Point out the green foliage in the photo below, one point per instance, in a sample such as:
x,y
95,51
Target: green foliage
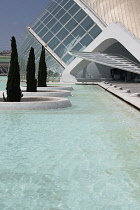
x,y
30,76
50,73
42,73
13,83
53,76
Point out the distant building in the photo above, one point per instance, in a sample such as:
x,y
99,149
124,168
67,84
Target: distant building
x,y
5,53
86,39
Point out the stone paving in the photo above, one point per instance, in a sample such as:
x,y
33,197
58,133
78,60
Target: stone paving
x,y
134,87
129,92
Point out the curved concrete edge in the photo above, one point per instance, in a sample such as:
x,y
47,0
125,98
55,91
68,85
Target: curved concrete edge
x,y
53,93
36,103
85,83
114,32
58,88
49,88
125,96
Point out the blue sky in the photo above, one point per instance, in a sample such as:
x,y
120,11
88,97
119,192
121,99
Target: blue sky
x,y
15,16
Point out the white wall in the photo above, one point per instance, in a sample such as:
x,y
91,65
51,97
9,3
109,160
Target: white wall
x,y
115,32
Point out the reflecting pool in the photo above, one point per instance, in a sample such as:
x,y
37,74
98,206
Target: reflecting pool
x,y
86,157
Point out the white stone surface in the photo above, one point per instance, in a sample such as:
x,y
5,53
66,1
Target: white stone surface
x,y
36,103
49,93
113,33
135,95
119,88
126,91
85,83
50,87
126,96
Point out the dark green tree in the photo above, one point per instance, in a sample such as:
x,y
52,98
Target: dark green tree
x,y
42,72
13,83
30,76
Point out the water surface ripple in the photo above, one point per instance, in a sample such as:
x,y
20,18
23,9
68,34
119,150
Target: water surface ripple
x,y
81,158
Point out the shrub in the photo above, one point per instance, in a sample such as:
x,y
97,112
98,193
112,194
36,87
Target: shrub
x,y
42,73
13,83
30,76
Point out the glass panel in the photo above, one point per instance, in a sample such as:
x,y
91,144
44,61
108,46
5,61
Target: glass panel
x,y
71,25
77,47
56,28
78,32
95,31
42,32
46,15
68,59
74,9
51,23
53,7
69,41
86,40
64,19
36,25
39,28
58,1
62,34
53,43
60,14
47,19
87,23
63,2
42,14
68,5
80,15
56,10
47,37
60,51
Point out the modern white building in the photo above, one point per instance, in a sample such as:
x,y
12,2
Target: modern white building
x,y
84,40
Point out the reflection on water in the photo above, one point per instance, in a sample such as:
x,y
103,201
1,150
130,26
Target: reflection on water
x,y
85,157
3,80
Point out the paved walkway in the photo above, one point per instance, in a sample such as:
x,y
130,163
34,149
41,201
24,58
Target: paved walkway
x,y
129,92
134,87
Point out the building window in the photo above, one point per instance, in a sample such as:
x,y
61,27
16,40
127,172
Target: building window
x,y
87,23
95,31
71,25
53,43
80,15
61,50
63,33
47,37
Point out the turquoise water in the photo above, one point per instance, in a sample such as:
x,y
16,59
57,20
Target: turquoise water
x,y
86,157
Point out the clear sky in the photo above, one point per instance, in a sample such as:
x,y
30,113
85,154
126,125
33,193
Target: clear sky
x,y
15,16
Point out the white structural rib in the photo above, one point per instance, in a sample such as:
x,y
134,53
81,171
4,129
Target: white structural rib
x,y
112,60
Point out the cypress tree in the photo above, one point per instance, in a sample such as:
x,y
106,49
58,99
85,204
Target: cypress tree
x,y
30,76
42,73
13,83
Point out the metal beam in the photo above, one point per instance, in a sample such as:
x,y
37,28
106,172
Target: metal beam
x,y
112,60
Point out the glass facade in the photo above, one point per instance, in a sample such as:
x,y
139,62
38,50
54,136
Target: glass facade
x,y
63,26
24,47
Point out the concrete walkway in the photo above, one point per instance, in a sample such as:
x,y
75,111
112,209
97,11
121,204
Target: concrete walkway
x,y
129,92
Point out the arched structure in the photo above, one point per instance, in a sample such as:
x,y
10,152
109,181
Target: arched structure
x,y
85,26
